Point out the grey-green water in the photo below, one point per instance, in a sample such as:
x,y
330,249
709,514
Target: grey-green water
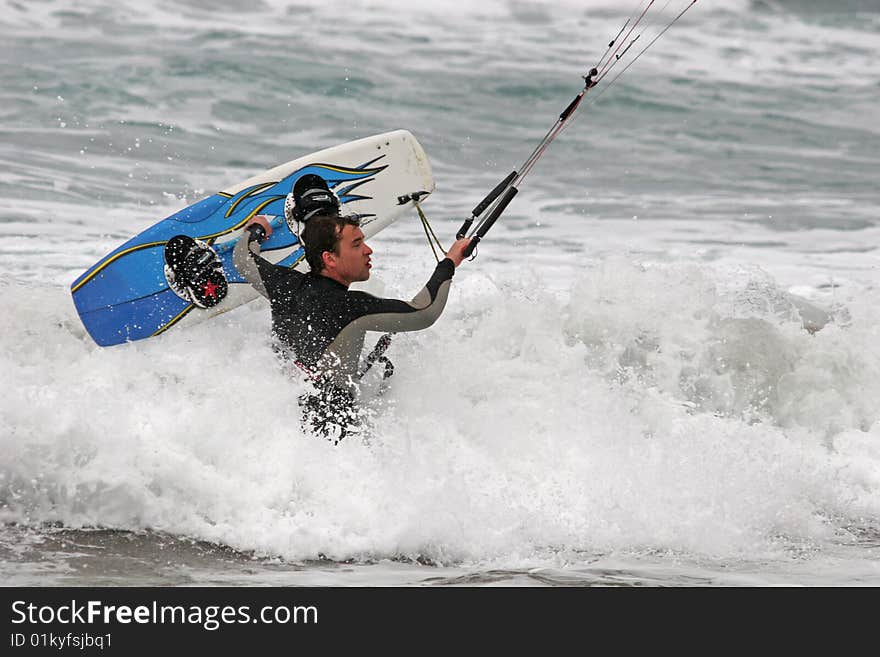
x,y
621,390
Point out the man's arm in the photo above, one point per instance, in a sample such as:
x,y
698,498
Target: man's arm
x,y
255,269
369,313
394,315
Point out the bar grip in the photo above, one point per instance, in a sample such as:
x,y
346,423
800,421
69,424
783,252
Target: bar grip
x,y
571,107
490,220
485,203
470,247
495,193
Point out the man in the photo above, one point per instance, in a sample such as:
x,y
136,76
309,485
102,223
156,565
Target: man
x,y
316,319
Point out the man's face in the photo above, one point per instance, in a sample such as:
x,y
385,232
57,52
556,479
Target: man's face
x,y
352,263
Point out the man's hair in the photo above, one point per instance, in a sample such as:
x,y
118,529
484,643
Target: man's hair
x,y
322,233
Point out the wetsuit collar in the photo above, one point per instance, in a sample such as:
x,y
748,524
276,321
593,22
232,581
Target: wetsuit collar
x,y
330,278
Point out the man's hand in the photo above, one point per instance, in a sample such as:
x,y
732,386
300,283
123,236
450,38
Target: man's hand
x,y
456,251
262,220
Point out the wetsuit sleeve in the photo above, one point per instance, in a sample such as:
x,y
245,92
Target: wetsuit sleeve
x,y
395,315
364,312
255,269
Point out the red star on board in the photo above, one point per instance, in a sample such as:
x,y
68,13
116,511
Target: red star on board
x,y
210,289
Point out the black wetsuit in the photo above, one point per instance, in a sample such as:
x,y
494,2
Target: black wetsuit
x,y
322,324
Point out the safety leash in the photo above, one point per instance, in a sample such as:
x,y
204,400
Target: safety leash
x,y
430,235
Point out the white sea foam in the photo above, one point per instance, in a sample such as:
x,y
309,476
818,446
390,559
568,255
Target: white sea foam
x,y
651,409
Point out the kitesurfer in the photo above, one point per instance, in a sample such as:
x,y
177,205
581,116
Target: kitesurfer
x,y
318,322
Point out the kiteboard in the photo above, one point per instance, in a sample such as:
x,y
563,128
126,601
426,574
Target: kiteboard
x,y
179,272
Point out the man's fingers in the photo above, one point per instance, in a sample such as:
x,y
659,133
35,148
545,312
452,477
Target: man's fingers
x,y
263,221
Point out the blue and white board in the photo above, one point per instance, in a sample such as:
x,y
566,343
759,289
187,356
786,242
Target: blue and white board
x,y
126,295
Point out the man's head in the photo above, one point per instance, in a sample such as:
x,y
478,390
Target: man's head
x,y
335,247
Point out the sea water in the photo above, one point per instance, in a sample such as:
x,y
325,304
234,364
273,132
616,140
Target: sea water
x,y
622,389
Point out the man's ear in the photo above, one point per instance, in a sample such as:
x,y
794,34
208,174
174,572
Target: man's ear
x,y
328,258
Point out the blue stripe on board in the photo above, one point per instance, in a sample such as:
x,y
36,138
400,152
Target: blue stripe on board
x,y
133,320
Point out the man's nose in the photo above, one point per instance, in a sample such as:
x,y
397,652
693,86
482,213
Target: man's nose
x,y
367,249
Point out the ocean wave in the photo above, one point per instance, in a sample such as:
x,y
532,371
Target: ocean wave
x,y
689,410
